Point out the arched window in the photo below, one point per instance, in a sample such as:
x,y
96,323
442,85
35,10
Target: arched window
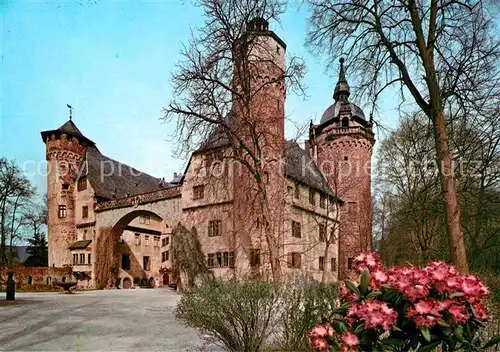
x,y
345,122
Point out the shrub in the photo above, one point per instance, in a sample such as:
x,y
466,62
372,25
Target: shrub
x,y
237,315
304,304
405,309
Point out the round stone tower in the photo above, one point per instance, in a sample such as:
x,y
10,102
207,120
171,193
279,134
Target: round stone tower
x,y
65,148
342,145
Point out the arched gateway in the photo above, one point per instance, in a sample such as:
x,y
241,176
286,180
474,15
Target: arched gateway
x,y
132,236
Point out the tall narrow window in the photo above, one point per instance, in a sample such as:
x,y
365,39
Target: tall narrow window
x,y
146,240
89,257
82,184
85,212
214,228
321,263
312,196
322,232
82,258
296,231
333,263
211,260
156,240
297,191
255,257
62,211
322,201
294,260
146,265
350,263
137,239
75,259
199,192
125,262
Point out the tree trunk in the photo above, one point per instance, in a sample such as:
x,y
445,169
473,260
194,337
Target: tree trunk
x,y
451,206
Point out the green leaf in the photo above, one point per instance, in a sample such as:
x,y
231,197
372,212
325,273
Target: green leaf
x,y
444,324
359,328
396,342
428,347
456,294
426,334
349,284
494,341
374,294
364,281
458,331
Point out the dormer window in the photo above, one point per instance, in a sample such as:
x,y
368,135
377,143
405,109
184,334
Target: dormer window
x,y
82,184
345,122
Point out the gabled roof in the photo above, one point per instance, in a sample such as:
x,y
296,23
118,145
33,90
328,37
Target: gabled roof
x,y
80,244
112,179
301,168
70,129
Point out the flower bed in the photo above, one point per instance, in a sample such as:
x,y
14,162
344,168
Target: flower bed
x,y
406,308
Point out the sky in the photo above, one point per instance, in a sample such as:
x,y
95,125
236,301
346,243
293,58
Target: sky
x,y
112,61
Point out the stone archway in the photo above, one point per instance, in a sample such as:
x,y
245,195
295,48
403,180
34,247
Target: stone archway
x,y
108,262
126,283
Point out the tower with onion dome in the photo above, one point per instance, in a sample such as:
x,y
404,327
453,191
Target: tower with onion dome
x,y
342,145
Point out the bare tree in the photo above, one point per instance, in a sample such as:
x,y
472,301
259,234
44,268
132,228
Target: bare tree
x,y
16,192
437,51
229,87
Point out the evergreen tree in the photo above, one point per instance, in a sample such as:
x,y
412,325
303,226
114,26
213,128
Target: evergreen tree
x,y
37,250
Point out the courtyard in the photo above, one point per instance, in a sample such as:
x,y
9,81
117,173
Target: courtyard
x,y
115,320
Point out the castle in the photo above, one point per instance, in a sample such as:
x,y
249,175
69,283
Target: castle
x,y
105,216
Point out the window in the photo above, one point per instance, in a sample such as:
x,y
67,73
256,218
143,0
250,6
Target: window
x,y
214,228
125,262
89,257
165,241
322,232
211,260
213,159
289,190
312,196
254,257
156,241
345,122
220,260
352,208
296,229
75,259
85,212
198,192
65,186
332,235
164,256
120,238
346,158
294,260
146,240
82,184
137,239
146,265
146,220
322,201
322,263
333,263
82,258
297,191
350,263
62,211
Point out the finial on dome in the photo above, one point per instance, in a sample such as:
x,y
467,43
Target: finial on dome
x,y
342,90
70,111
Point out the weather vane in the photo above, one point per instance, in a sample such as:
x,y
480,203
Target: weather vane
x,y
70,111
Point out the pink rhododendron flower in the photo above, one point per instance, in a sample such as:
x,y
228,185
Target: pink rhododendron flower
x,y
347,295
350,339
373,313
480,311
367,260
319,344
459,313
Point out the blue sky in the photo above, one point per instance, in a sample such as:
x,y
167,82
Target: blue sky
x,y
112,61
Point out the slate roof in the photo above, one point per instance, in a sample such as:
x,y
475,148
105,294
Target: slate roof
x,y
299,166
80,244
111,179
70,129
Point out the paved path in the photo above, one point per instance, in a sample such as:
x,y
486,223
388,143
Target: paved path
x,y
118,320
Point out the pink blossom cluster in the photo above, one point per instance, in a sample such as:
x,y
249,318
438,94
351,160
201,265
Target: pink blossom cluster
x,y
320,335
374,314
